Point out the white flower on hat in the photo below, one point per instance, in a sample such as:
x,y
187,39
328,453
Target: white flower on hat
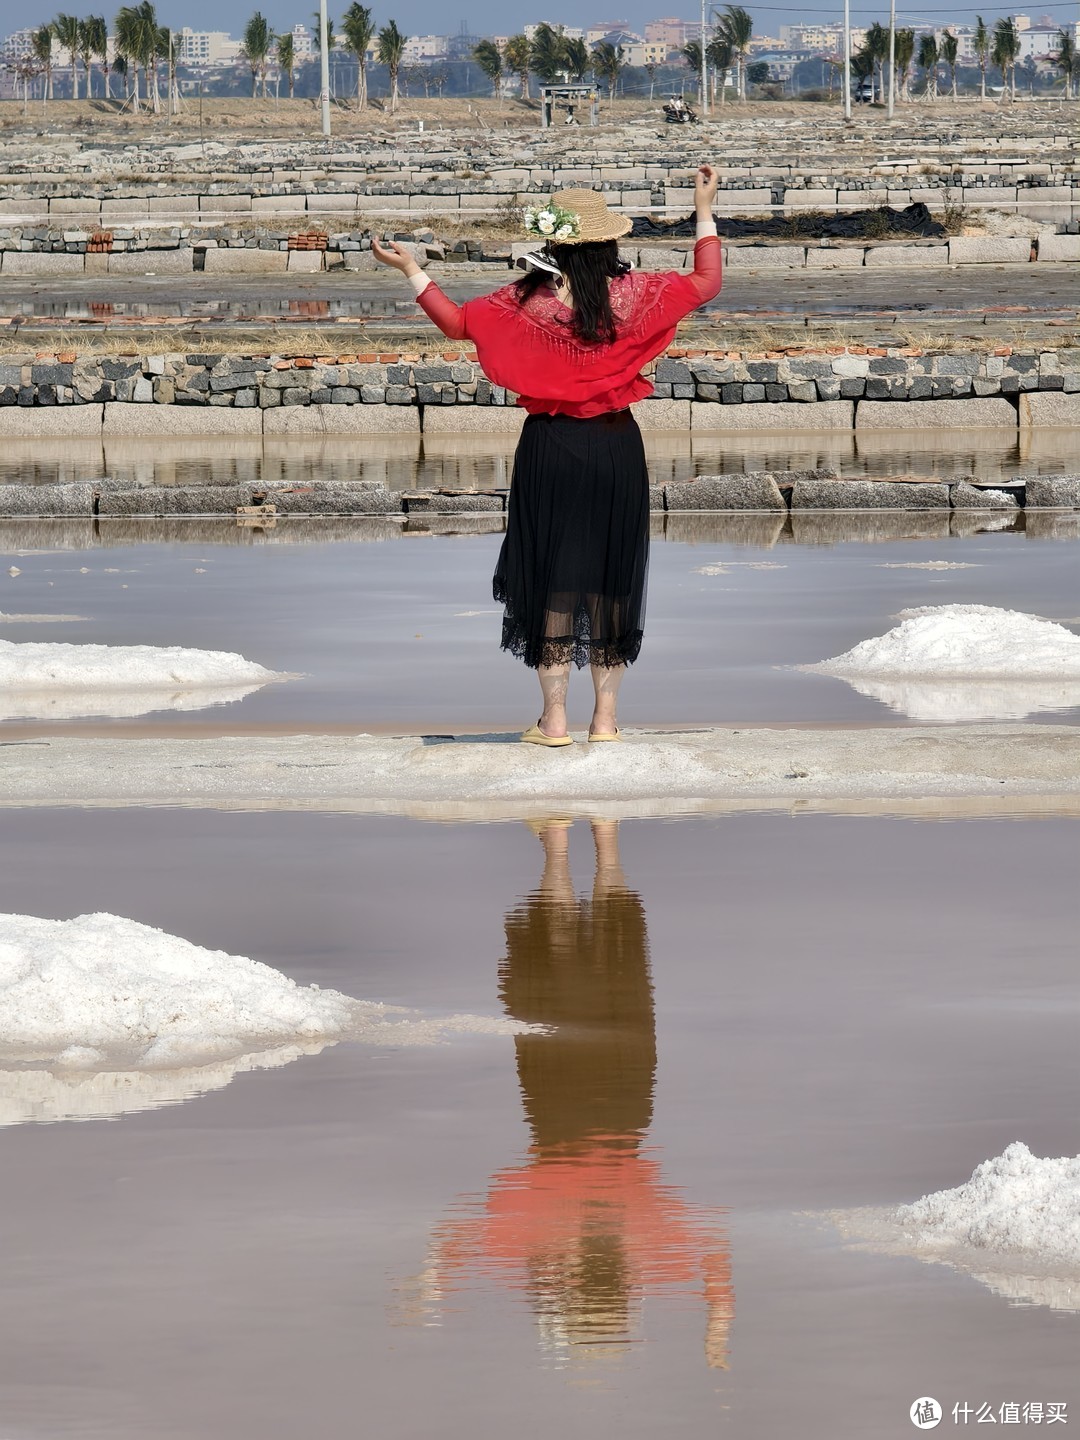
x,y
551,221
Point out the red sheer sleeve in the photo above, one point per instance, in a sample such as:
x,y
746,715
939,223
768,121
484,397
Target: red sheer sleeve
x,y
706,278
442,311
684,293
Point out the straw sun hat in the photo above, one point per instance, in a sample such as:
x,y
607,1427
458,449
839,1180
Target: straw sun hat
x,y
592,220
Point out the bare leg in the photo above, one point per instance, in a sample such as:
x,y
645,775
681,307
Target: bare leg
x,y
556,885
554,682
606,682
609,872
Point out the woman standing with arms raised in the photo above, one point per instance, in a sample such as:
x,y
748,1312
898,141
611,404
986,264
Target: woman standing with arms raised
x,y
571,338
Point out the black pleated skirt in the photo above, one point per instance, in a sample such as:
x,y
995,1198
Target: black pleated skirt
x,y
573,566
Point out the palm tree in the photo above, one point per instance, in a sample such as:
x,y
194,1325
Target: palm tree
x,y
517,61
1006,52
96,43
650,70
41,43
286,57
391,45
904,47
358,28
318,32
928,63
608,62
980,43
876,46
137,40
85,53
66,30
737,25
547,57
255,48
577,59
719,55
1065,59
489,57
862,68
950,51
166,50
691,53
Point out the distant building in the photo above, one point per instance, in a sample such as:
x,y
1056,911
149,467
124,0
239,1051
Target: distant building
x,y
14,47
425,49
672,32
207,47
782,63
645,52
303,43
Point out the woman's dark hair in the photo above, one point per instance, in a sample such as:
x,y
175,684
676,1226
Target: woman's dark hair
x,y
587,269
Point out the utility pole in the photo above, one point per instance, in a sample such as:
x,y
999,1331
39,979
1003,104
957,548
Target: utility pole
x,y
704,66
324,65
892,57
847,60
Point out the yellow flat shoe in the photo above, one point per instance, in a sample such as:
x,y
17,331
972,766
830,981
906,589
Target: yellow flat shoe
x,y
535,736
600,738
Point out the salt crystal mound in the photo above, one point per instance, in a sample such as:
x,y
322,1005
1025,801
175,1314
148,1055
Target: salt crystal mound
x,y
1014,1226
63,682
102,993
964,663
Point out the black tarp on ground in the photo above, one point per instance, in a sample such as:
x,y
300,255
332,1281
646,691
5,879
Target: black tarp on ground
x,y
915,222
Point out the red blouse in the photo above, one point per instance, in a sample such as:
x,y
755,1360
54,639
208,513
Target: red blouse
x,y
530,349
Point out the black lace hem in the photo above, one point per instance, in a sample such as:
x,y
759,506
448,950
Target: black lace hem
x,y
579,649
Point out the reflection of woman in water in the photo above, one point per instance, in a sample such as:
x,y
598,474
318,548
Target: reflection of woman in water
x,y
585,1225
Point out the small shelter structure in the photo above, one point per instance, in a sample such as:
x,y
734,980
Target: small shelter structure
x,y
573,99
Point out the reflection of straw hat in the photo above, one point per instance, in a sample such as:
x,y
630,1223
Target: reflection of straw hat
x,y
595,221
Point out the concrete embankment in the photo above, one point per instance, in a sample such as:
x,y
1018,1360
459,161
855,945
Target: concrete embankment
x,y
72,251
776,493
68,394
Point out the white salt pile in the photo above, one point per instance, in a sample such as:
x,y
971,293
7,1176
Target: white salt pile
x,y
60,681
965,663
1014,1204
104,993
32,666
84,989
1014,1226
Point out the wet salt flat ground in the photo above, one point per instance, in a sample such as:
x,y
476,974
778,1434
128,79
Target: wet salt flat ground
x,y
596,1230
616,1226
401,632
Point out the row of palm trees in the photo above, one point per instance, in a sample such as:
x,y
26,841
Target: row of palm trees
x,y
359,36
138,41
552,56
997,45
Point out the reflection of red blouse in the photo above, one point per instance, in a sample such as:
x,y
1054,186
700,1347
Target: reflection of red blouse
x,y
529,348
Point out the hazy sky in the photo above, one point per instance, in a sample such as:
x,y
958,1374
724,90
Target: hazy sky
x,y
420,17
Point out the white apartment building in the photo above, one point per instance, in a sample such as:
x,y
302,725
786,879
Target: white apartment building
x,y
646,52
207,47
14,47
424,49
303,42
571,32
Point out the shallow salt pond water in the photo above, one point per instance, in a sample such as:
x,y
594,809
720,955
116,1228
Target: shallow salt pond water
x,y
603,1229
386,629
